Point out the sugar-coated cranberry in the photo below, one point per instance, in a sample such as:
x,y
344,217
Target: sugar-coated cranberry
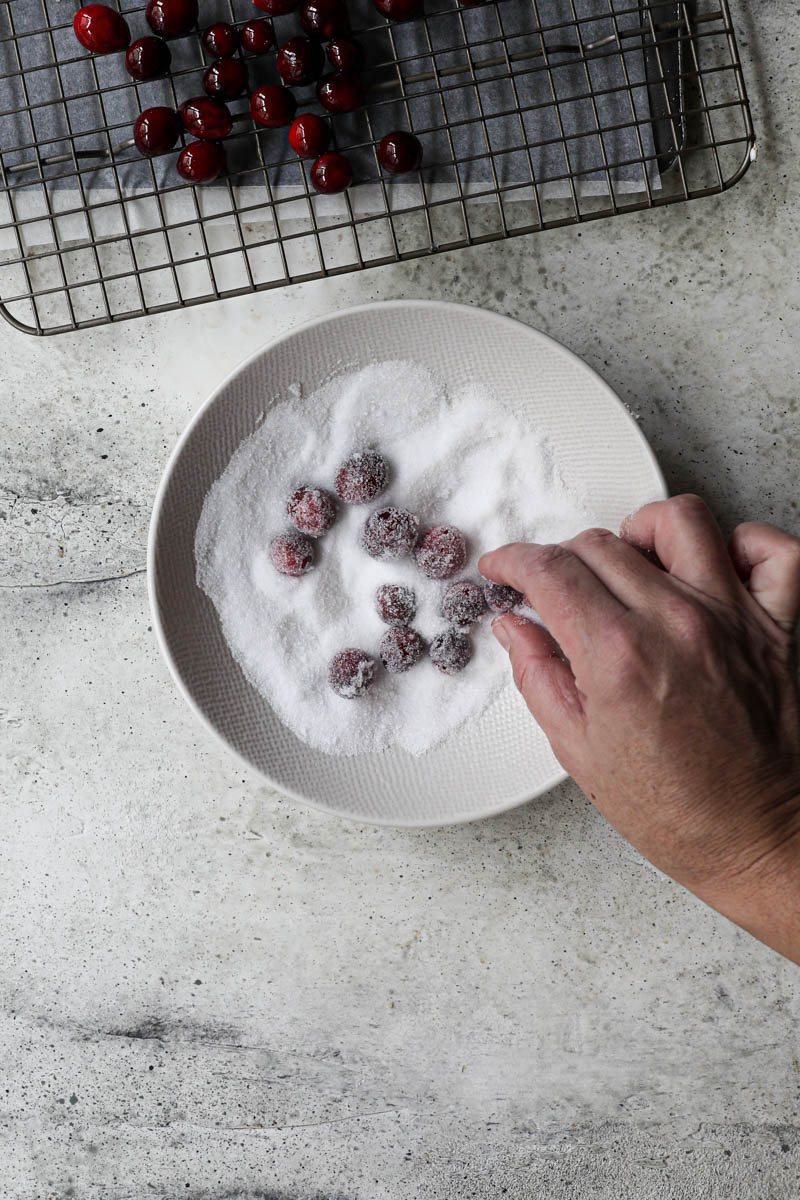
x,y
205,117
450,651
396,604
309,135
156,130
324,19
345,54
201,162
399,10
300,61
277,8
221,40
291,553
501,599
399,152
350,672
311,510
441,552
171,18
226,78
341,92
390,533
331,173
400,649
257,36
463,603
147,58
272,105
363,477
101,29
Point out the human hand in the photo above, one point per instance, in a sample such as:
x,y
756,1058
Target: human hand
x,y
671,695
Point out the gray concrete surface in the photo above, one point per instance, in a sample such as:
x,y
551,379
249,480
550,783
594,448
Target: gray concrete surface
x,y
207,991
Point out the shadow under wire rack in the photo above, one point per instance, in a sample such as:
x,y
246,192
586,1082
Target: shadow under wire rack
x,y
532,114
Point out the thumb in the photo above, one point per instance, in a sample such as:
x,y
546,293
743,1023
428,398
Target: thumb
x,y
541,674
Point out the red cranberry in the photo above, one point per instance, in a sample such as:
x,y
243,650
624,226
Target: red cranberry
x,y
226,78
399,152
396,604
148,58
300,61
501,599
345,54
309,135
450,651
350,672
221,40
272,105
463,603
400,649
324,19
341,92
311,510
441,552
171,18
362,477
257,36
156,130
292,553
390,533
101,29
206,118
201,162
399,10
331,173
277,8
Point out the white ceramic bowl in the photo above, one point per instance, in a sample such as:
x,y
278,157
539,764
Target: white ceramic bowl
x,y
493,763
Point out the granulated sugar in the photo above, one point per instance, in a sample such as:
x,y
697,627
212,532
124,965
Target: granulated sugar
x,y
455,458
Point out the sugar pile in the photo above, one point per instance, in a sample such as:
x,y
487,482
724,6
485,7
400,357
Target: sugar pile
x,y
456,458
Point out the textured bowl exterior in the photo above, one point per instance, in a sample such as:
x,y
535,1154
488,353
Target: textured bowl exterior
x,y
488,765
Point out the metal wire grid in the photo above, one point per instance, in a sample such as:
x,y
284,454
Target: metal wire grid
x,y
85,249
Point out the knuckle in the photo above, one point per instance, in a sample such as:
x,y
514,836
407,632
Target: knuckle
x,y
596,536
547,556
688,504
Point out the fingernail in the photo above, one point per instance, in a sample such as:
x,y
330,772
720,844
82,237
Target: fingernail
x,y
500,632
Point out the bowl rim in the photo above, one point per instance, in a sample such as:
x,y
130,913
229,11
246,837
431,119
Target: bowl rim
x,y
558,776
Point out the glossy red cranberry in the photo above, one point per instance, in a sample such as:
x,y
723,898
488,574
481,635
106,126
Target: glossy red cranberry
x,y
309,135
390,533
292,553
350,672
257,36
441,552
362,477
400,649
101,29
221,40
463,603
450,651
345,54
206,118
300,61
399,10
171,18
147,58
324,19
341,92
226,78
396,605
501,599
277,8
201,162
311,510
156,130
399,152
272,105
331,173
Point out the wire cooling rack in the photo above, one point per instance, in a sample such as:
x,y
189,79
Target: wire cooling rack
x,y
532,114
